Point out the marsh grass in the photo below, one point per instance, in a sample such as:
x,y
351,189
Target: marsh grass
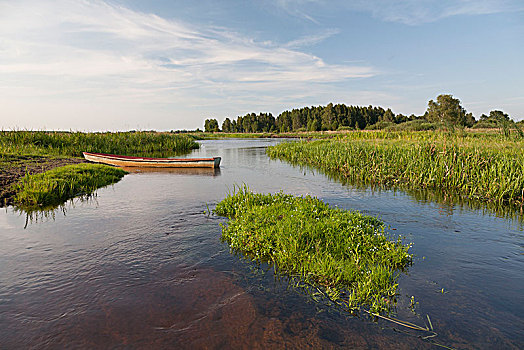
x,y
344,253
74,143
55,186
480,167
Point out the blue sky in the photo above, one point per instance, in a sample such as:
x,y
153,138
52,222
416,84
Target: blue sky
x,y
159,64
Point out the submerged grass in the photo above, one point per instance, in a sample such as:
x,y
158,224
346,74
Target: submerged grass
x,y
345,253
74,143
60,184
480,167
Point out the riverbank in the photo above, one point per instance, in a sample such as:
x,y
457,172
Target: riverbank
x,y
33,152
477,166
52,188
14,167
491,133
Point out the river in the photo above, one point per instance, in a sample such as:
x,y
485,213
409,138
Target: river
x,y
141,265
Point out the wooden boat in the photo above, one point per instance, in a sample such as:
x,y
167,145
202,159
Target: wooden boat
x,y
127,161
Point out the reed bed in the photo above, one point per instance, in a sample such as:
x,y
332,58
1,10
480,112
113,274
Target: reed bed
x,y
484,168
344,253
55,186
74,143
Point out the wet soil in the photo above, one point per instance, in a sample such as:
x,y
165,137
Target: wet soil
x,y
14,167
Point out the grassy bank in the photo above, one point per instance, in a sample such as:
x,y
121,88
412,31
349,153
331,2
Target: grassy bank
x,y
55,186
476,166
436,132
344,253
74,143
32,152
13,167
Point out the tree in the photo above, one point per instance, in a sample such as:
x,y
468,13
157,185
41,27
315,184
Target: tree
x,y
401,118
388,116
447,110
328,117
227,126
211,125
498,116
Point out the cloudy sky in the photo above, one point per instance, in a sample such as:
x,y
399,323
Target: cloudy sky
x,y
169,64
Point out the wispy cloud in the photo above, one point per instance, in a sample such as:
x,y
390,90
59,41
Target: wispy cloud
x,y
104,51
94,39
415,12
311,39
410,12
297,8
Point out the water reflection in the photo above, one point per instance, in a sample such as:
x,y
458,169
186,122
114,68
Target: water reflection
x,y
448,200
40,214
35,214
174,171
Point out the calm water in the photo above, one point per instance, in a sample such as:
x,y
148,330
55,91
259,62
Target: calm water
x,y
143,267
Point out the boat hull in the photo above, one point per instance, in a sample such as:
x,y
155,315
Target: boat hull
x,y
126,161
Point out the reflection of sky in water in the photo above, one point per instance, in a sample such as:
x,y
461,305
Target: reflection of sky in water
x,y
127,264
5,222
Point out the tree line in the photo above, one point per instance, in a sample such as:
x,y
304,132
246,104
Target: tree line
x,y
446,110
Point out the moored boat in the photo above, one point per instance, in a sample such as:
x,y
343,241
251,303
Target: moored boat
x,y
128,161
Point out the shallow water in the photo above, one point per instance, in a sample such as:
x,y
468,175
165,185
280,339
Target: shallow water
x,y
142,266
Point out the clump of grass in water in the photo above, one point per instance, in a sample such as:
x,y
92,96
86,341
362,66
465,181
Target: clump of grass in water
x,y
344,253
60,184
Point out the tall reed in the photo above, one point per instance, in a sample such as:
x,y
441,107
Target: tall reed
x,y
475,168
74,143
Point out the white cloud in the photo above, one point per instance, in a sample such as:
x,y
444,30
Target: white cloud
x,y
69,53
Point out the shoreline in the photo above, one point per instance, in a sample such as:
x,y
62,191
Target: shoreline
x,y
14,167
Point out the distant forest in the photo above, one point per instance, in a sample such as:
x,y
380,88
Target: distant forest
x,y
330,117
445,110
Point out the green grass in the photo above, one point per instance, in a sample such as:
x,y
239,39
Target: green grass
x,y
74,143
412,130
55,186
477,166
21,149
344,253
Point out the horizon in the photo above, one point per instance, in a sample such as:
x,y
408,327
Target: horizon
x,y
121,65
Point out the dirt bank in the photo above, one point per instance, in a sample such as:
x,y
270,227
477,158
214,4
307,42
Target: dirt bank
x,y
13,167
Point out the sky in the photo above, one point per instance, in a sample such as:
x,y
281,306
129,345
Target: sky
x,y
107,65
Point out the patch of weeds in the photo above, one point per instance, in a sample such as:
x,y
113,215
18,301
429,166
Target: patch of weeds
x,y
344,253
60,184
